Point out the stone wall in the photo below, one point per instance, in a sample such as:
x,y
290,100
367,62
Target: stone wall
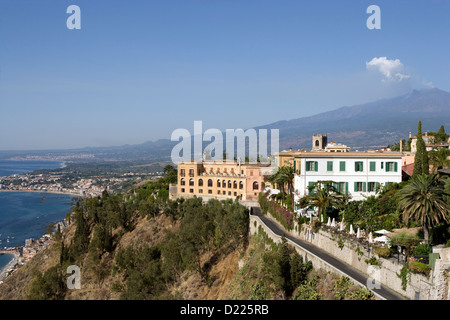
x,y
356,252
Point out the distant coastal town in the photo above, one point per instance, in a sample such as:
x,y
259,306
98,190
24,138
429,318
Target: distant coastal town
x,y
22,255
81,180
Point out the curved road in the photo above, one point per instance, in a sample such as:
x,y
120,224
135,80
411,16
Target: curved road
x,y
382,292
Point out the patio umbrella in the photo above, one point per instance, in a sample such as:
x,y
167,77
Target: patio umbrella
x,y
370,237
382,231
358,233
333,223
382,239
351,229
329,222
341,226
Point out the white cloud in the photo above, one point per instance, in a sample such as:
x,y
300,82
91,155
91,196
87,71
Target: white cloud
x,y
392,70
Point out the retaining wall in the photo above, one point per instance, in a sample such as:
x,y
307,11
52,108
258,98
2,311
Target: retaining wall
x,y
355,253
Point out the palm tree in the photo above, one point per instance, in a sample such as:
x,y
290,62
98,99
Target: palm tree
x,y
282,178
423,200
438,158
325,195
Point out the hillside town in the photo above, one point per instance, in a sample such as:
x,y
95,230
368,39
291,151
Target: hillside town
x,y
73,185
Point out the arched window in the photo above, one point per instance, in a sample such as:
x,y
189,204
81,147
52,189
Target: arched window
x,y
255,185
200,182
191,182
241,185
317,143
235,184
182,181
218,183
224,184
210,183
229,183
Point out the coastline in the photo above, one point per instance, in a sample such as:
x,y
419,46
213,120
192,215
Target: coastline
x,y
16,261
42,191
5,271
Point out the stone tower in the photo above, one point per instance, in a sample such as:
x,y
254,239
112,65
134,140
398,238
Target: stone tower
x,y
319,142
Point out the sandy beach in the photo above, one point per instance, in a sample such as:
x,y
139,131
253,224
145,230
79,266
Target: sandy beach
x,y
11,264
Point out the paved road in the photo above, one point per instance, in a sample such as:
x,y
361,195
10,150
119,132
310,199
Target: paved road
x,y
383,292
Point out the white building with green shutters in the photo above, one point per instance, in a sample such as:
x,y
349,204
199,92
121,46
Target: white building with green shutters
x,y
357,174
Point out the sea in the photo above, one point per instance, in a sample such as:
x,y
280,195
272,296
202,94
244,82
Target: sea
x,y
26,215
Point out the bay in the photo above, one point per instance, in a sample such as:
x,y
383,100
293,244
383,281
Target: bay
x,y
26,215
10,167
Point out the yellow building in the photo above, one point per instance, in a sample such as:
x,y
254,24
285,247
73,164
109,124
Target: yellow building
x,y
221,180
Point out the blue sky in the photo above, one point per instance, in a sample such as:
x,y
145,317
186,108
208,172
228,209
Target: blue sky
x,y
139,69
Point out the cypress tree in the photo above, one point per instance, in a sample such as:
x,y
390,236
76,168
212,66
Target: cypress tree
x,y
421,156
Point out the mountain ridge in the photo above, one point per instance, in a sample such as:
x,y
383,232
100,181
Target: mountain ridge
x,y
370,125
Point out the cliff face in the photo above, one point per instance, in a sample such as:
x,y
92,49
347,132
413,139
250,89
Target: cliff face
x,y
190,284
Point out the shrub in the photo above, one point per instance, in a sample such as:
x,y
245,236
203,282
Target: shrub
x,y
419,267
423,249
373,261
383,252
282,215
316,225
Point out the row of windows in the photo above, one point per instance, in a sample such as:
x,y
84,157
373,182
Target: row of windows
x,y
359,166
343,187
223,183
183,190
211,170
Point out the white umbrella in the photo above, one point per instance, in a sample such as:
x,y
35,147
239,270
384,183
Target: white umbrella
x,y
382,231
382,239
370,237
358,233
351,229
341,226
333,223
329,222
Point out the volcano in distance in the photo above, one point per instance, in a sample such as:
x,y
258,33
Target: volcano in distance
x,y
371,125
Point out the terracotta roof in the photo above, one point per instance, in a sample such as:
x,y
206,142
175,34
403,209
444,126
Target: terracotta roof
x,y
408,169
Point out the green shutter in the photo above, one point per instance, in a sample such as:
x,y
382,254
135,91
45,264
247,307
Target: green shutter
x,y
346,187
329,165
342,166
308,166
372,166
355,186
295,165
311,190
364,186
316,166
395,166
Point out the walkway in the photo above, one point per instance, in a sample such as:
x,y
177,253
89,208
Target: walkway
x,y
383,292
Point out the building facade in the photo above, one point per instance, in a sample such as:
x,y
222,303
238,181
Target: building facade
x,y
221,180
357,174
